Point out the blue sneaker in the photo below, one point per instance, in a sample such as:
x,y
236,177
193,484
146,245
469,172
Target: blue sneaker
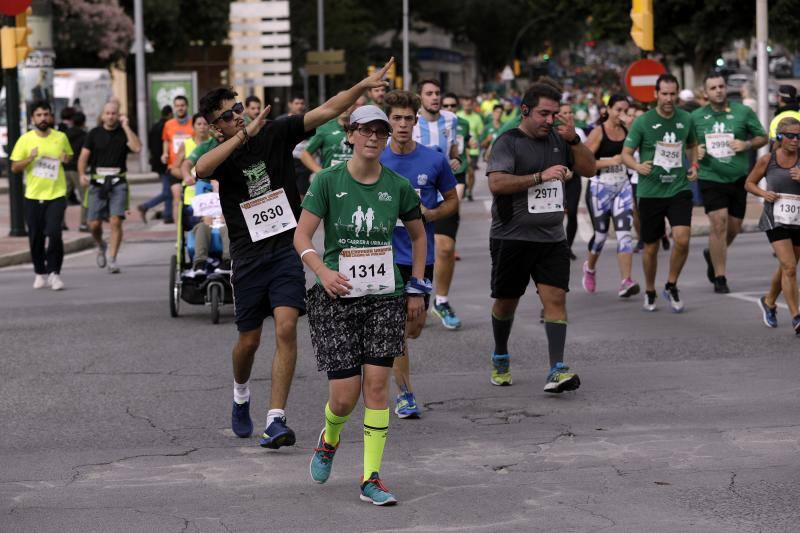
x,y
373,491
277,434
322,460
406,406
241,424
445,313
560,379
673,296
501,374
769,315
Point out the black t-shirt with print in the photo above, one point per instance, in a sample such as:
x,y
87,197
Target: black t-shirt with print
x,y
109,149
262,165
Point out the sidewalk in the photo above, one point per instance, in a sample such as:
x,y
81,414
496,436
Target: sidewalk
x,y
15,251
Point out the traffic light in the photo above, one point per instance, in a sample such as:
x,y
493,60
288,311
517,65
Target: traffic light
x,y
14,41
8,47
642,29
21,32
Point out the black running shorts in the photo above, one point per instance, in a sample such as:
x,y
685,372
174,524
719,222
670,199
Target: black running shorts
x,y
652,212
730,196
447,226
515,263
782,233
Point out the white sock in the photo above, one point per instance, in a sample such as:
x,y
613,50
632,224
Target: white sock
x,y
241,392
441,300
273,414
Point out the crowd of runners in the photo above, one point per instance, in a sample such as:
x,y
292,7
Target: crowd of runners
x,y
383,172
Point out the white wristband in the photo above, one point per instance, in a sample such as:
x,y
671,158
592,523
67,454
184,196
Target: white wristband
x,y
308,251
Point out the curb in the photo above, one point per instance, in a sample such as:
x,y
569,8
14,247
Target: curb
x,y
747,227
70,247
84,243
145,177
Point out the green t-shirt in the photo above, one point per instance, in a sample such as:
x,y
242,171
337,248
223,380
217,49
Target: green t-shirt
x,y
44,176
670,135
739,120
205,146
356,215
462,140
581,115
510,116
475,128
490,132
331,140
510,125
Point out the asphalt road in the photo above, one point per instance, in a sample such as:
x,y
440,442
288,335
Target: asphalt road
x,y
116,416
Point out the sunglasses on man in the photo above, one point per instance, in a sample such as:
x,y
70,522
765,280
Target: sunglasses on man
x,y
227,115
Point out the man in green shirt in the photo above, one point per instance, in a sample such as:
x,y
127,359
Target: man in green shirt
x,y
331,141
662,135
510,112
726,132
491,130
475,121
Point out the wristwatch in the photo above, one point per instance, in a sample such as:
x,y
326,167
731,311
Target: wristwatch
x,y
575,141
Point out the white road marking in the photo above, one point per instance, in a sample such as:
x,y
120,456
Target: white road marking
x,y
747,297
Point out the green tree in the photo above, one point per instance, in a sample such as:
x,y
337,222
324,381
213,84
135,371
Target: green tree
x,y
173,25
90,33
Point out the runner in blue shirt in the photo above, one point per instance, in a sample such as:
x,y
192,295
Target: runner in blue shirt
x,y
431,176
437,129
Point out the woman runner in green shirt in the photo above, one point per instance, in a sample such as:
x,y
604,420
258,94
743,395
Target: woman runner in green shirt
x,y
358,307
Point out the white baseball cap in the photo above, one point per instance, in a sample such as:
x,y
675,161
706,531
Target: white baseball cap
x,y
369,113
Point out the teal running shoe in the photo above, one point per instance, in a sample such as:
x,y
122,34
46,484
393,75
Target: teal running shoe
x,y
322,460
373,491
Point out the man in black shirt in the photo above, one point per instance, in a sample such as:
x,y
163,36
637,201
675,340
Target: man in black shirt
x,y
104,155
76,133
260,202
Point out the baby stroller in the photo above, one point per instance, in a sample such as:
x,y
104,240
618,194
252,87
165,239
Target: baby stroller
x,y
212,289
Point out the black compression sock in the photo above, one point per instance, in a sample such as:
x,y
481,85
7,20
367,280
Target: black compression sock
x,y
501,327
556,331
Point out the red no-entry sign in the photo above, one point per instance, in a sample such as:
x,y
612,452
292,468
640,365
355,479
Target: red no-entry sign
x,y
640,79
14,7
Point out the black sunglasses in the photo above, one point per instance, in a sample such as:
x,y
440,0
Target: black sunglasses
x,y
449,105
790,135
227,115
